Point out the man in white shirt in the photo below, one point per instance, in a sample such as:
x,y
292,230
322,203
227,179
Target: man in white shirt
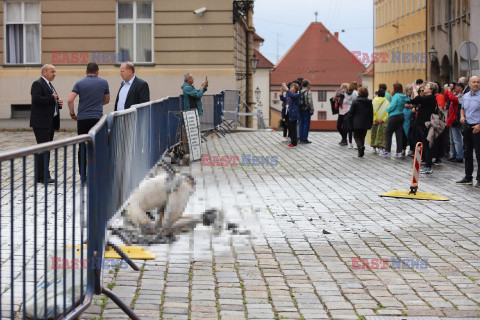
x,y
133,89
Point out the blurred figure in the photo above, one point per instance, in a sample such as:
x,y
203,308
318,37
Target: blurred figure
x,y
408,121
383,87
380,121
362,116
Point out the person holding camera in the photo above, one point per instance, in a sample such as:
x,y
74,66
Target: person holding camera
x,y
470,119
306,111
192,98
291,108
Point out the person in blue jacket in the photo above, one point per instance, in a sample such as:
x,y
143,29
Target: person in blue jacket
x,y
291,106
192,98
395,121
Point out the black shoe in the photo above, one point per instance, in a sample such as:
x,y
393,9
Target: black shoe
x,y
477,185
361,152
457,161
452,159
343,144
465,181
307,141
48,181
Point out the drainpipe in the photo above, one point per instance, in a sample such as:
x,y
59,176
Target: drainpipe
x,y
249,79
450,45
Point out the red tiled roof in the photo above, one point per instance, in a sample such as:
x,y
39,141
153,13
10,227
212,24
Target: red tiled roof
x,y
369,71
322,62
262,61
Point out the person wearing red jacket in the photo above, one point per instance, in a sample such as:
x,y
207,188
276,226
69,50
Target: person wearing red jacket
x,y
453,122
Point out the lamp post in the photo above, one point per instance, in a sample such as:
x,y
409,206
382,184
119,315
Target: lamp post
x,y
432,54
254,62
257,94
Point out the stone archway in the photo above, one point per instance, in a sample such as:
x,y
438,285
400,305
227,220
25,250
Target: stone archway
x,y
434,71
445,71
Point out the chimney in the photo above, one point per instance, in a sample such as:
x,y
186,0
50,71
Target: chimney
x,y
336,35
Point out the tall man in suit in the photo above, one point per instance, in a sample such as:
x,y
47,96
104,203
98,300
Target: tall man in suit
x,y
44,118
133,89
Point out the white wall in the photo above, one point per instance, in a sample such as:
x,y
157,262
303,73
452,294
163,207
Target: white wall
x,y
261,80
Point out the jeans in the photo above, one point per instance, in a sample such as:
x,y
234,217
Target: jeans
x,y
304,125
83,126
395,124
456,143
472,142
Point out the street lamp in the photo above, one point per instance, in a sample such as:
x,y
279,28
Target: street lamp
x,y
257,94
254,62
432,53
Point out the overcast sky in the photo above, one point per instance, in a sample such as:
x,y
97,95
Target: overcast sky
x,y
289,19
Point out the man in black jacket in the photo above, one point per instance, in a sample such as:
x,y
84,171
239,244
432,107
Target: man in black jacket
x,y
44,118
133,89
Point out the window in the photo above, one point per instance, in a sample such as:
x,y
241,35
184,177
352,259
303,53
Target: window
x,y
22,32
322,115
135,31
322,95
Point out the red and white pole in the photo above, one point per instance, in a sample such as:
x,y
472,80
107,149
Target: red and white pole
x,y
417,163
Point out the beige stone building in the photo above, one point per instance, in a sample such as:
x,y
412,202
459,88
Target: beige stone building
x,y
449,26
164,39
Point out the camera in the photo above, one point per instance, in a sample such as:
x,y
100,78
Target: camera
x,y
200,11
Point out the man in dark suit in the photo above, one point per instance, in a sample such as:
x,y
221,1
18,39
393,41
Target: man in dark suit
x,y
133,89
44,118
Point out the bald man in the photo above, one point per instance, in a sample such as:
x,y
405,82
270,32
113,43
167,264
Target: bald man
x,y
470,118
44,118
133,89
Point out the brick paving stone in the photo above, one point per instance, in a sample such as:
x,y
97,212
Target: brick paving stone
x,y
288,267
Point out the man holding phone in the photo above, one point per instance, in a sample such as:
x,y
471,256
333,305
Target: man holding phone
x,y
192,98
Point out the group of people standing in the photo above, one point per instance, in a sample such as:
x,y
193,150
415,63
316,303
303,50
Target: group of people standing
x,y
422,112
297,110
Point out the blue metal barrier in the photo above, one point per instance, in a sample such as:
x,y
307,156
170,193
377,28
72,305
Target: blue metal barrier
x,y
120,150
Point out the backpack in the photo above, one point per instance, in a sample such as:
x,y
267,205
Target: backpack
x,y
302,103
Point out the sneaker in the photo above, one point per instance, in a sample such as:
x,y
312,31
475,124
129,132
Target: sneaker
x,y
477,185
307,141
374,151
403,153
465,181
342,143
400,155
438,161
457,161
385,154
350,146
452,159
426,170
411,153
291,146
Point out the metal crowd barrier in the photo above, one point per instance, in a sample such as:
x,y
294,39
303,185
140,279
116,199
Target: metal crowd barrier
x,y
43,227
53,236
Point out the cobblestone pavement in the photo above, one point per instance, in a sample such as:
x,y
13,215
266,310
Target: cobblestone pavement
x,y
311,217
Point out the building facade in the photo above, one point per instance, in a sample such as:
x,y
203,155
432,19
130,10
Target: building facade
x,y
400,41
449,26
320,57
475,29
164,39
